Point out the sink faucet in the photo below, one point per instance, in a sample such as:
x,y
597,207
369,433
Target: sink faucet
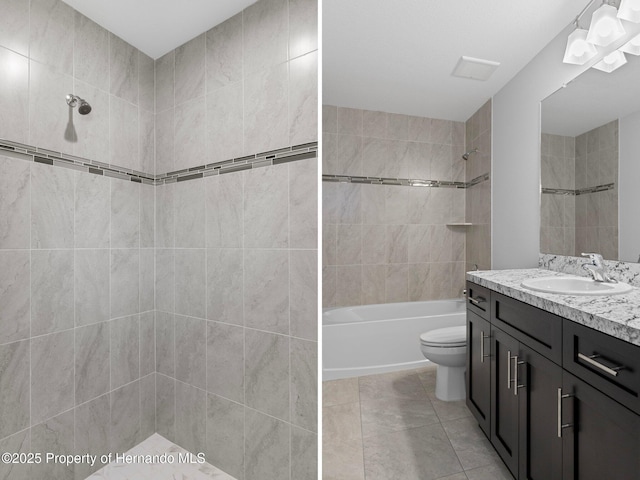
x,y
597,268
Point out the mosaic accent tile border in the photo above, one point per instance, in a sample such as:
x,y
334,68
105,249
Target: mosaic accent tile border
x,y
581,191
56,159
404,182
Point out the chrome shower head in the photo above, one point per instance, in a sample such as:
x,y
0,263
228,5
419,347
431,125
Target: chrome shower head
x,y
466,155
74,100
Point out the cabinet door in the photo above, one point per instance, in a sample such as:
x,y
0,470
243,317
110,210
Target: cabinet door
x,y
540,447
479,370
504,403
604,439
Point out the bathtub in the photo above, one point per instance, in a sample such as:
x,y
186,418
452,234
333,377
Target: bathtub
x,y
382,338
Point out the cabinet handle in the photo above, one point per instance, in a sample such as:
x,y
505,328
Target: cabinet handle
x,y
613,371
560,424
515,375
483,337
508,369
477,301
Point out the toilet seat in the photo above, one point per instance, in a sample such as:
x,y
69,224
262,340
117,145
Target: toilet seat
x,y
445,337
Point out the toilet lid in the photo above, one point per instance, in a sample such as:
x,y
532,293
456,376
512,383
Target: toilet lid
x,y
450,337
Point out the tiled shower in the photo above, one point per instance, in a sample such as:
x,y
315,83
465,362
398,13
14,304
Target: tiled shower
x,y
158,256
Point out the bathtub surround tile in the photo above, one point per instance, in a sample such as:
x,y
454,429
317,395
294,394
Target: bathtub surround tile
x,y
265,35
373,284
190,214
125,350
190,70
147,406
165,144
165,338
165,68
125,279
397,283
224,53
225,361
55,436
92,369
267,373
348,284
92,432
329,119
146,141
51,27
147,279
18,443
147,343
125,214
165,216
303,94
191,348
189,134
52,382
146,82
191,407
225,285
224,222
166,406
224,135
92,130
14,33
91,286
225,435
125,417
303,27
52,273
123,133
92,211
266,447
14,387
304,384
15,306
14,96
303,287
52,207
190,266
147,216
374,249
303,199
123,69
165,280
15,186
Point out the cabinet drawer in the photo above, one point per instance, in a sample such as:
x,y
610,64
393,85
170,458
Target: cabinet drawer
x,y
478,300
540,330
609,364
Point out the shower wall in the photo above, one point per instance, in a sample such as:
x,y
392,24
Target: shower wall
x,y
384,243
76,249
236,258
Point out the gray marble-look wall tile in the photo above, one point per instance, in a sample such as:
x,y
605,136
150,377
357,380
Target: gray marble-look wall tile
x,y
123,133
224,123
267,373
52,274
266,208
304,384
147,406
15,301
165,72
304,454
125,214
51,27
51,207
146,82
14,387
350,151
348,285
14,95
165,215
225,361
397,283
190,214
91,286
373,284
374,249
147,140
349,244
190,278
147,279
92,428
18,443
329,153
125,417
265,35
303,310
147,343
397,244
165,141
92,131
191,351
376,153
123,69
224,210
190,133
329,280
191,412
329,244
303,27
225,435
124,289
225,285
55,436
350,121
266,447
125,350
52,382
147,216
14,31
91,362
166,407
91,53
374,124
303,99
165,280
190,70
303,204
266,290
92,211
329,119
266,93
224,53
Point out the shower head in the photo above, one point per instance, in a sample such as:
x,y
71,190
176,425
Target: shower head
x,y
73,101
468,154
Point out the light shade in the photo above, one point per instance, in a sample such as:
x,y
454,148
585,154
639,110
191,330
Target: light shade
x,y
632,46
578,50
605,26
630,10
611,62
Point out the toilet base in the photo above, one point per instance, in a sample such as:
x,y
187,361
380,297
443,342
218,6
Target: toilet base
x,y
450,384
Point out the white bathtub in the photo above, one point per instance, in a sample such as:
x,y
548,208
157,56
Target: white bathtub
x,y
382,338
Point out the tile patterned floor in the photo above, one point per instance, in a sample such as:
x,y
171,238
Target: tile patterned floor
x,y
157,445
392,426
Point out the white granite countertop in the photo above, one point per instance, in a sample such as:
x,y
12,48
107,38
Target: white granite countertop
x,y
615,315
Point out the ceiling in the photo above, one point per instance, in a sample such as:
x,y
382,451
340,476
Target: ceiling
x,y
398,57
158,26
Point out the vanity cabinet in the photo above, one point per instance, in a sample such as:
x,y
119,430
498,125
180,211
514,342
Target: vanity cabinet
x,y
552,414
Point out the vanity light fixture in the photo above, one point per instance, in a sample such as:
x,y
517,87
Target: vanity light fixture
x,y
632,46
579,51
605,26
611,62
630,10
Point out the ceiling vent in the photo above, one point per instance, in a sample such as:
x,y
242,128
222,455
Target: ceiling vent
x,y
475,68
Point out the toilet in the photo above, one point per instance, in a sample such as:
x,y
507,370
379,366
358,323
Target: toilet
x,y
447,348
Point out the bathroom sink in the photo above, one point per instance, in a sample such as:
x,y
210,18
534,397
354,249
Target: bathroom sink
x,y
575,286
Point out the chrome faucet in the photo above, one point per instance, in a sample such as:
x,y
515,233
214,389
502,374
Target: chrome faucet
x,y
597,268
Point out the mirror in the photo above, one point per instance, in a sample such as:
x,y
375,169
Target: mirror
x,y
590,165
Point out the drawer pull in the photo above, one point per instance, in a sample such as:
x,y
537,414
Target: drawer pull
x,y
516,386
613,371
560,424
483,337
477,301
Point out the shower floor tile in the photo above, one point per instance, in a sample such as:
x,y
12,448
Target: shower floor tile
x,y
157,445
